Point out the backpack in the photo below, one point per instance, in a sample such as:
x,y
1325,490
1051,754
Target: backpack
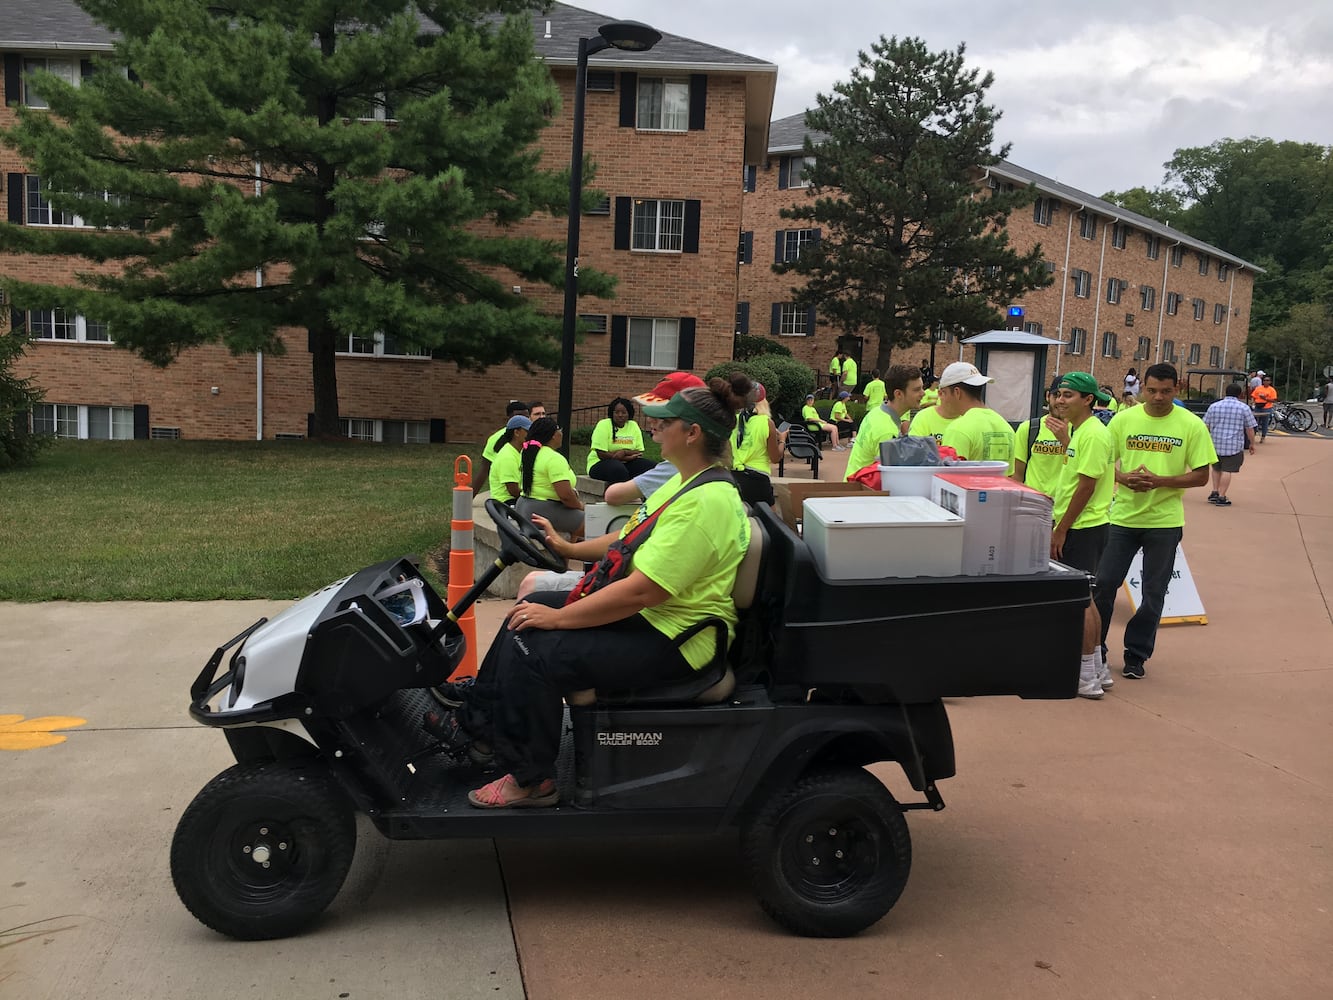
x,y
615,565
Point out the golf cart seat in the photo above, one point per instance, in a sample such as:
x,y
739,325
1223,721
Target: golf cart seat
x,y
713,683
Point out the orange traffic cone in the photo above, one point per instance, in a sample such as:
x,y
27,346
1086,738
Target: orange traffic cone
x,y
461,562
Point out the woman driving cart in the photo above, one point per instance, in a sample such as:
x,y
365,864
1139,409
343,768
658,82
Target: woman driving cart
x,y
619,630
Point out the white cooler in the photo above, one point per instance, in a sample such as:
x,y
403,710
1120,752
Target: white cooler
x,y
869,538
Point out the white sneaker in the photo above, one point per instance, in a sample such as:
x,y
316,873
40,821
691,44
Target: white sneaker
x,y
1106,680
1090,688
1089,681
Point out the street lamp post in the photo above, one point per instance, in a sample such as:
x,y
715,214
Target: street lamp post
x,y
630,36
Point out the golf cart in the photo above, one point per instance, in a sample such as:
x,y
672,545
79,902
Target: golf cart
x,y
1210,381
323,710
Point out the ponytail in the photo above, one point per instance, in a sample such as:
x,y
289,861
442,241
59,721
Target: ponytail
x,y
540,433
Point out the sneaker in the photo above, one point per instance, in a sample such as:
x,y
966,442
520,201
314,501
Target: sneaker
x,y
1212,495
452,694
1105,679
1221,502
839,447
1090,688
1134,671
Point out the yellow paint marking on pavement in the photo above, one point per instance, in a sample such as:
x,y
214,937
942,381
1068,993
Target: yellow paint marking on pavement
x,y
16,734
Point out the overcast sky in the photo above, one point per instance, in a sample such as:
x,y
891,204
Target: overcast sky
x,y
1097,95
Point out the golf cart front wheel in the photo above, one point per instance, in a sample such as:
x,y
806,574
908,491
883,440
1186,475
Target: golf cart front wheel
x,y
263,849
829,855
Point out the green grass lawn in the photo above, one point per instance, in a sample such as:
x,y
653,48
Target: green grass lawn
x,y
198,520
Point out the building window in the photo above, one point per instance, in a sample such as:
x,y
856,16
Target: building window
x,y
1223,271
1203,263
1082,284
1042,210
66,69
1198,309
1114,286
358,429
1119,234
1143,350
1032,328
1087,225
40,212
1078,341
793,321
1193,358
60,324
658,225
1149,296
380,345
1154,247
653,343
664,104
1214,357
386,431
1219,313
795,241
1172,303
88,423
1169,351
1108,344
1177,256
793,171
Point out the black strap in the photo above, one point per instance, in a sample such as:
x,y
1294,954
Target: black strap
x,y
1034,428
640,532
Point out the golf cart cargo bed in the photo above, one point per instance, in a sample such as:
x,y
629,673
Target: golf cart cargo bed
x,y
925,638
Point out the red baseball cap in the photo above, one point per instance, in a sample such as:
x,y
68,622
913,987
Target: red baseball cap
x,y
669,386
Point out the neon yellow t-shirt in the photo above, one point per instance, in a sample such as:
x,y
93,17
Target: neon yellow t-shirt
x,y
550,467
834,366
849,373
753,453
488,449
1046,461
878,425
505,468
1168,446
1089,455
693,554
605,437
929,398
981,435
929,423
840,412
809,414
874,393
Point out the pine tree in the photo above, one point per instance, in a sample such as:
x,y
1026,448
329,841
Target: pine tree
x,y
244,178
18,396
908,239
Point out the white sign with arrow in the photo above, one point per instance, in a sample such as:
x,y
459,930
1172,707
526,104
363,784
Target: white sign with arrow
x,y
1182,605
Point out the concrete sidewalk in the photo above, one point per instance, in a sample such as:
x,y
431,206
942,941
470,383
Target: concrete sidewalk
x,y
1171,840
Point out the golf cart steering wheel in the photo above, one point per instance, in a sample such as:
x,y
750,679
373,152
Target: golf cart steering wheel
x,y
521,540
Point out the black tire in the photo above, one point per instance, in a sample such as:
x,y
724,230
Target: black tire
x,y
300,819
829,855
1301,419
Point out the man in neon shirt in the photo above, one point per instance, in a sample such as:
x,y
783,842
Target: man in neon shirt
x,y
850,374
1161,450
976,432
881,424
875,392
1039,458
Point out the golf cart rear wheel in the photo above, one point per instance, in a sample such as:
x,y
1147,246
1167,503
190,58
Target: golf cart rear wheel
x,y
263,849
829,855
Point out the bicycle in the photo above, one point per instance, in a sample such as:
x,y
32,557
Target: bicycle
x,y
1292,417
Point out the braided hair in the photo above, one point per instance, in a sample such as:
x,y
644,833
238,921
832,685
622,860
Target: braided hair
x,y
539,435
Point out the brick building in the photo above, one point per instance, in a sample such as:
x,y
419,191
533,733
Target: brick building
x,y
668,130
1127,291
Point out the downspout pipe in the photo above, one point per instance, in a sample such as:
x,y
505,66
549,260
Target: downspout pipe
x,y
1161,313
1226,334
259,355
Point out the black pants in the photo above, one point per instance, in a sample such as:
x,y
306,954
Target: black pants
x,y
611,470
1159,560
755,487
516,703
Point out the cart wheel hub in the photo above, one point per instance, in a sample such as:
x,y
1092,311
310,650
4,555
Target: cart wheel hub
x,y
261,854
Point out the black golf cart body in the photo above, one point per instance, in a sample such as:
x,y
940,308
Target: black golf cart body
x,y
1205,386
655,761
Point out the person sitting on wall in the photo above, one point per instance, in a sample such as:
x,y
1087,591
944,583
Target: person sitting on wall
x,y
506,475
548,481
616,455
816,424
515,407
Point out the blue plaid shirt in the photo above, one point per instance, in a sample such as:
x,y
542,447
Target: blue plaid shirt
x,y
1227,420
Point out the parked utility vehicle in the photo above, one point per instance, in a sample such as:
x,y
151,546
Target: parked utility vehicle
x,y
323,706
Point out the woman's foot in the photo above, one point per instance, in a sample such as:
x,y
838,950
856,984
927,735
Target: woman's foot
x,y
505,793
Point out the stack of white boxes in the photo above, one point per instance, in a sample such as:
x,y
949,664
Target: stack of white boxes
x,y
1007,526
870,538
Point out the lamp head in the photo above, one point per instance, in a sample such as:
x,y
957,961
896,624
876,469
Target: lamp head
x,y
630,36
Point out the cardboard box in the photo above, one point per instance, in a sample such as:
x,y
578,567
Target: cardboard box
x,y
791,497
1007,526
874,537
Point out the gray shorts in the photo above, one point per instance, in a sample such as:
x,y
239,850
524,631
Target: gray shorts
x,y
556,581
565,520
1230,463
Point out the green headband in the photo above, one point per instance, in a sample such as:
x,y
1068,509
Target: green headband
x,y
679,406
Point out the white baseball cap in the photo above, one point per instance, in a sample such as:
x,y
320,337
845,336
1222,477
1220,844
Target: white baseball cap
x,y
962,372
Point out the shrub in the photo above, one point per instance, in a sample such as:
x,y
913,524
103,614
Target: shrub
x,y
786,380
748,346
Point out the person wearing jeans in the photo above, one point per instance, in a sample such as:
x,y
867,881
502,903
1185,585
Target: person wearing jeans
x,y
1161,450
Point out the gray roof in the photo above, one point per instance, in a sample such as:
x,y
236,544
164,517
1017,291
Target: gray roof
x,y
50,24
1012,337
787,135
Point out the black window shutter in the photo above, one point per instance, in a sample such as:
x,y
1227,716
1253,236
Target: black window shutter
x,y
310,341
690,238
685,345
310,425
782,239
624,216
619,340
819,235
777,318
698,100
751,176
15,184
784,172
629,99
132,76
742,317
1036,210
810,321
747,244
140,422
437,430
85,68
18,319
13,77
